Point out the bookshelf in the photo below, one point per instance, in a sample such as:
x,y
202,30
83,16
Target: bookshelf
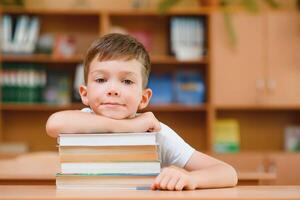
x,y
89,25
228,95
266,100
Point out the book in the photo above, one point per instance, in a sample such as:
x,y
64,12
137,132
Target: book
x,y
104,181
22,83
115,139
78,80
102,149
20,33
32,35
292,138
187,37
7,30
111,167
226,136
108,154
108,161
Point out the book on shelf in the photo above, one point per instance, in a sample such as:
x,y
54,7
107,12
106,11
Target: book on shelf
x,y
78,80
58,87
101,139
226,138
22,83
7,30
104,181
292,138
20,35
187,38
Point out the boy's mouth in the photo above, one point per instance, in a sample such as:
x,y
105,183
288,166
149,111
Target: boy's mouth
x,y
112,104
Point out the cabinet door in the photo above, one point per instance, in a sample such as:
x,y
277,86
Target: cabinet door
x,y
283,82
237,71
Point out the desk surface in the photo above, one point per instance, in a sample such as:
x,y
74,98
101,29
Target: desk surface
x,y
237,193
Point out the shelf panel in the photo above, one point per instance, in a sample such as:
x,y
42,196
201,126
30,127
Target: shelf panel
x,y
38,107
174,107
155,59
204,10
197,11
257,107
44,11
41,58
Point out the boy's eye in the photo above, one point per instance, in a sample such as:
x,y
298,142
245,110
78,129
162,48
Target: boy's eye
x,y
100,80
128,82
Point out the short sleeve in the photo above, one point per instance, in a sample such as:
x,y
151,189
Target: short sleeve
x,y
88,110
174,150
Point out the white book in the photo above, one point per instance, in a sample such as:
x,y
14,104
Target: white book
x,y
20,33
32,35
100,139
111,168
6,36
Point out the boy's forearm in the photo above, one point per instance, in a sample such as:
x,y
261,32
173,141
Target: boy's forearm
x,y
216,176
81,122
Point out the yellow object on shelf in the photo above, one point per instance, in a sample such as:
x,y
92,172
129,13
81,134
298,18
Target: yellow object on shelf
x,y
226,136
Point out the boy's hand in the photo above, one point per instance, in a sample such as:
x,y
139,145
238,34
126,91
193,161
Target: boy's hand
x,y
174,178
146,122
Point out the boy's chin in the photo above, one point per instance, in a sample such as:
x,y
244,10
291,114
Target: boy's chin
x,y
117,116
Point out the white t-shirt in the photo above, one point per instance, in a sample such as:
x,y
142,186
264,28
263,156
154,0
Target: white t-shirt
x,y
174,150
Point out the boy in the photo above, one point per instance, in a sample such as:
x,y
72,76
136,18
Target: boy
x,y
116,71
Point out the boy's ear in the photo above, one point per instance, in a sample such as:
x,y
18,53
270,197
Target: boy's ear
x,y
146,96
83,95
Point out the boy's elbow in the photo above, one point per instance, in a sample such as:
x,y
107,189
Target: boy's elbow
x,y
234,175
53,125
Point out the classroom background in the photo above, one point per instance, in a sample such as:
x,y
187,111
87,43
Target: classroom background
x,y
225,76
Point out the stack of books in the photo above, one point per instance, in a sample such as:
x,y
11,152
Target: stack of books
x,y
108,161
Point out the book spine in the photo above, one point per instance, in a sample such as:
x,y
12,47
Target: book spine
x,y
7,33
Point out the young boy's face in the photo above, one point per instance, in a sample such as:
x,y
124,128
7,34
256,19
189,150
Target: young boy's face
x,y
114,88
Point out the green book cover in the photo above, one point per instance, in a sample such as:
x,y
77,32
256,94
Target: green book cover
x,y
226,137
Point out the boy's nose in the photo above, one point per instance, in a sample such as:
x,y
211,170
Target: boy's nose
x,y
113,93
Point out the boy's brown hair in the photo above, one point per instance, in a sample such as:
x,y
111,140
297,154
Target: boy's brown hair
x,y
116,46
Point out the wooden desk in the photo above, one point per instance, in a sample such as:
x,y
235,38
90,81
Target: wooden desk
x,y
237,193
40,169
256,178
245,178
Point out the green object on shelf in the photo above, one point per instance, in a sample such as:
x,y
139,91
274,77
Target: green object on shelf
x,y
12,2
226,138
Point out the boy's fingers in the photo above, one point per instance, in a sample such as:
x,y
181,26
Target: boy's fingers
x,y
164,182
158,179
180,184
172,183
153,187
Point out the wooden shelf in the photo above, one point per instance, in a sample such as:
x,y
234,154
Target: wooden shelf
x,y
177,107
130,12
41,58
253,152
172,60
174,107
152,12
257,108
38,107
43,11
